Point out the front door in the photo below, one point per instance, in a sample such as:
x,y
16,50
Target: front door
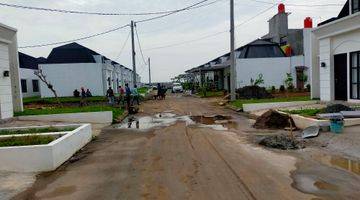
x,y
340,64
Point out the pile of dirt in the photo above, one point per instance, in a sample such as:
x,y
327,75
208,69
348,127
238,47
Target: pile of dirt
x,y
336,108
273,120
283,142
253,92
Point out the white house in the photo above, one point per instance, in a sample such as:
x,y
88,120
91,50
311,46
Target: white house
x,y
73,66
30,85
336,56
10,94
276,54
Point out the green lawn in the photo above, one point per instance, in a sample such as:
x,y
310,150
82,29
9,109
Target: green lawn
x,y
26,141
143,90
117,112
240,102
35,130
29,100
212,94
312,112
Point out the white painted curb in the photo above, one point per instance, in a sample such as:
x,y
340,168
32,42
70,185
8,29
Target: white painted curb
x,y
105,117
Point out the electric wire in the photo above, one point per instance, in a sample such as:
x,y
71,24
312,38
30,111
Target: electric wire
x,y
96,13
123,47
196,5
140,49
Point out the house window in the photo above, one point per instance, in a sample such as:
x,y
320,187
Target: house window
x,y
35,84
355,75
23,86
355,6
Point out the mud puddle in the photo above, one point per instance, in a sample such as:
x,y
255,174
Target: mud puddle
x,y
332,177
339,162
216,122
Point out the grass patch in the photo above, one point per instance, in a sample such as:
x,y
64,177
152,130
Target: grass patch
x,y
240,102
211,94
312,112
143,90
117,112
35,130
39,100
26,141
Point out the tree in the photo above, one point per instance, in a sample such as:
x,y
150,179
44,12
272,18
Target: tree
x,y
39,73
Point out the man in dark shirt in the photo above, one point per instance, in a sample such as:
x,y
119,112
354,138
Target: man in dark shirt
x,y
83,97
110,95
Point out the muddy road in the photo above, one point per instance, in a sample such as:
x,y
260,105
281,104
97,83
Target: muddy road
x,y
174,156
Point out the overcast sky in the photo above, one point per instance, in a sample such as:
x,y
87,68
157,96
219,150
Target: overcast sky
x,y
37,27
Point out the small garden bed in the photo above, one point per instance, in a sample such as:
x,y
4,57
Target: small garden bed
x,y
211,94
117,112
50,129
47,101
26,141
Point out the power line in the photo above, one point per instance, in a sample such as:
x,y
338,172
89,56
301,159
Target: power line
x,y
193,6
138,40
93,13
210,35
74,40
299,5
123,47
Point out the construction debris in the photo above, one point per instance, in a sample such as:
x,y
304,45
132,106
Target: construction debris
x,y
337,108
273,120
283,142
310,132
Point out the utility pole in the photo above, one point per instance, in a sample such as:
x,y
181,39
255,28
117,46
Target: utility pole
x,y
232,54
133,52
149,71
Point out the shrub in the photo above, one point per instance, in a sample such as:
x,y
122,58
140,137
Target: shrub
x,y
308,87
282,88
289,82
273,89
253,92
335,108
258,81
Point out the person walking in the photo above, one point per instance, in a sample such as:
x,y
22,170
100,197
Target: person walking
x,y
121,92
110,95
83,97
135,94
127,96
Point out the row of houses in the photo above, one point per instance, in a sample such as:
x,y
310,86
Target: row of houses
x,y
71,67
328,55
67,68
273,56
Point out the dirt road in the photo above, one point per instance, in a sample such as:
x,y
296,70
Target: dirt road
x,y
176,161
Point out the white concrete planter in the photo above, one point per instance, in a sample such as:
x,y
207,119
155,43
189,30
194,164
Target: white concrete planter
x,y
88,117
304,122
39,158
263,106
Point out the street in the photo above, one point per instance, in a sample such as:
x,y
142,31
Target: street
x,y
173,162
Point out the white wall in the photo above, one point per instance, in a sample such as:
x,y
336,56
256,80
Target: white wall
x,y
68,77
28,75
273,69
6,105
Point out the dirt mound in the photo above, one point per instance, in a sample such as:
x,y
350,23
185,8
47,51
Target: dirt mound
x,y
253,92
273,120
336,108
282,142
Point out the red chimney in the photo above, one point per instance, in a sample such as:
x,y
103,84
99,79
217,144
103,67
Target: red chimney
x,y
281,8
308,23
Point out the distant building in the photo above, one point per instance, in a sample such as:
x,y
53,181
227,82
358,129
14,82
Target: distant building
x,y
336,56
73,66
276,54
30,85
10,94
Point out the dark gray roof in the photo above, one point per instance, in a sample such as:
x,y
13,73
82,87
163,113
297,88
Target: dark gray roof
x,y
27,62
71,53
343,13
261,48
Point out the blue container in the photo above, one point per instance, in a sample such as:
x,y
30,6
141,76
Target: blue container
x,y
337,126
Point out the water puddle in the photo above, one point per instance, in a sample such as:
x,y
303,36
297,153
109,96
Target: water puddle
x,y
164,119
340,162
311,184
